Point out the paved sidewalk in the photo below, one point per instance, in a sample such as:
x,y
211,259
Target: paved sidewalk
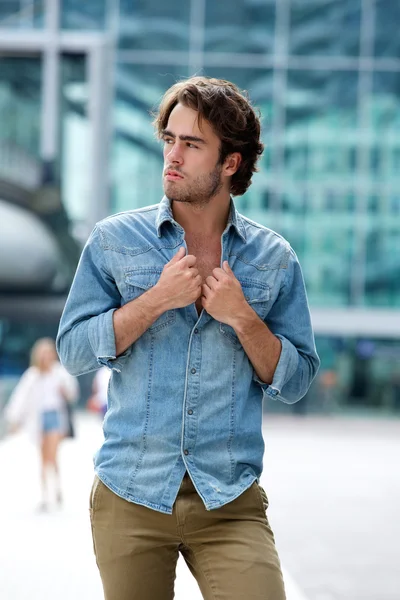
x,y
49,556
334,491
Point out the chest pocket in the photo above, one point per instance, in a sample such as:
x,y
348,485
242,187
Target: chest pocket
x,y
138,281
257,295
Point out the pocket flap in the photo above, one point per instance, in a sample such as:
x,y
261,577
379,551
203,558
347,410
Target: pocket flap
x,y
254,291
143,277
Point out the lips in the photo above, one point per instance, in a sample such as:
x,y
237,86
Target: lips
x,y
173,175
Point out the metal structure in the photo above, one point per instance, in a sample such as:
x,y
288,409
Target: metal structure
x,y
107,55
48,44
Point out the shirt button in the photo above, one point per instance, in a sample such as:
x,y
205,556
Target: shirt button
x,y
186,452
190,412
193,371
196,330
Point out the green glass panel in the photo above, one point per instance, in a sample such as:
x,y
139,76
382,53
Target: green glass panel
x,y
87,16
327,258
386,20
382,285
154,25
10,13
20,103
320,227
249,27
325,28
385,125
21,14
321,136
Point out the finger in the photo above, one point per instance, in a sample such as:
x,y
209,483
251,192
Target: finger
x,y
226,267
178,256
210,282
218,273
194,272
198,280
189,260
205,290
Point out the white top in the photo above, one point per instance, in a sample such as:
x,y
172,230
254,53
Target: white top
x,y
100,386
37,392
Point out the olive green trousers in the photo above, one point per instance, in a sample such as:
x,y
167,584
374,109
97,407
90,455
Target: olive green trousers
x,y
230,550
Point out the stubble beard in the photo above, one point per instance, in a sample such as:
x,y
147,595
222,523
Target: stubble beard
x,y
199,192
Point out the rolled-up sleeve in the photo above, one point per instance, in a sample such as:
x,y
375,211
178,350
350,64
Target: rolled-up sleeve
x,y
86,339
289,319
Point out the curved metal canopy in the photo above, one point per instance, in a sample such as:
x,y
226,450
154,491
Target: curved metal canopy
x,y
28,251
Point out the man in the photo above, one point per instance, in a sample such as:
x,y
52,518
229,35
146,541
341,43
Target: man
x,y
201,314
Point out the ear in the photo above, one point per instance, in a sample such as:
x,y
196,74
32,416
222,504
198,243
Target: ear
x,y
232,163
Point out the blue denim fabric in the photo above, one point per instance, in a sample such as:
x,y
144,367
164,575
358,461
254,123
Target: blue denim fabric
x,y
184,396
51,421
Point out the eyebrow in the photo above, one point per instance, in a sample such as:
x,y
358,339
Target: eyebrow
x,y
184,138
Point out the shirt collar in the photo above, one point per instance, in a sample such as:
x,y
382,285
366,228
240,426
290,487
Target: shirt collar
x,y
235,220
164,214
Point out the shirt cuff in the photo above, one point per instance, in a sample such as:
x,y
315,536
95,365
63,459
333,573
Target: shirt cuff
x,y
102,341
285,369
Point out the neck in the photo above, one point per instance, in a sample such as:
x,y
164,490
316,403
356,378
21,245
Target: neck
x,y
208,220
45,368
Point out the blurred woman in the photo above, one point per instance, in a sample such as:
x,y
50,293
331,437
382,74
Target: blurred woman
x,y
98,400
38,404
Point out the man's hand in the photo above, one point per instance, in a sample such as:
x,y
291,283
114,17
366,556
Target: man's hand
x,y
223,296
180,282
179,285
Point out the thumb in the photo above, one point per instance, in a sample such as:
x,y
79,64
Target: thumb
x,y
227,268
178,256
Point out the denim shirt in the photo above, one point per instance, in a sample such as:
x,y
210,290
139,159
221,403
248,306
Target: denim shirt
x,y
184,396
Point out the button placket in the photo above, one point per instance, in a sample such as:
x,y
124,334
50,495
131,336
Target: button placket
x,y
192,394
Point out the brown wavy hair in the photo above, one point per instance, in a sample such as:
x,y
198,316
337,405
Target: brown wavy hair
x,y
231,115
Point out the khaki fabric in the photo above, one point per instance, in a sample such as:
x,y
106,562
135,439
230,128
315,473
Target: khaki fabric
x,y
230,551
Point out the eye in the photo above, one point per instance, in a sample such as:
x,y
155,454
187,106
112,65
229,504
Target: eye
x,y
167,140
189,145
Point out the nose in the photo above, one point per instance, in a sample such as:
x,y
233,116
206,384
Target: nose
x,y
174,154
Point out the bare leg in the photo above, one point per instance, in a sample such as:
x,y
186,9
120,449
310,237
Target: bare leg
x,y
54,442
43,473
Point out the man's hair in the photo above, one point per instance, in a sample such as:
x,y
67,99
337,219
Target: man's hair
x,y
231,115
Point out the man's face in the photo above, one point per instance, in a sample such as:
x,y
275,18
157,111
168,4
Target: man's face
x,y
192,172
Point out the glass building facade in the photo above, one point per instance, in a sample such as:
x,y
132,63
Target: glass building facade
x,y
78,81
